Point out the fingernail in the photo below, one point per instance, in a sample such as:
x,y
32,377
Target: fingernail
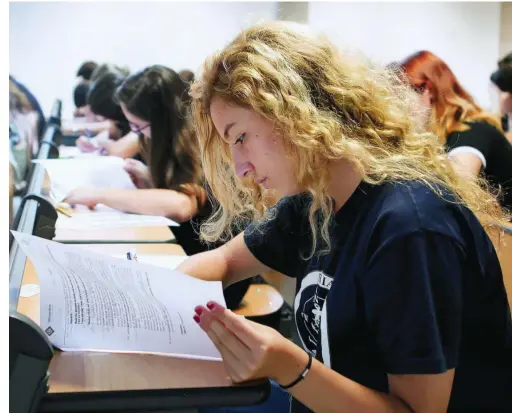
x,y
198,310
197,319
211,305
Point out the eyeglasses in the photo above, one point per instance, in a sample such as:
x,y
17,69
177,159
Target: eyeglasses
x,y
139,130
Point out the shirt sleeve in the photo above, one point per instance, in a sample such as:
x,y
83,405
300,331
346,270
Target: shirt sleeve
x,y
276,241
478,140
412,291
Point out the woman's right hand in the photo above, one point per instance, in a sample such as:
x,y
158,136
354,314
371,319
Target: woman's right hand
x,y
139,173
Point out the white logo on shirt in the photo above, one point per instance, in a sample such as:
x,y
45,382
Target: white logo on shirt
x,y
309,305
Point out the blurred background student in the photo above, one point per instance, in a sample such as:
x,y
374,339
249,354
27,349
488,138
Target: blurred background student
x,y
502,79
118,139
473,137
86,70
80,91
26,102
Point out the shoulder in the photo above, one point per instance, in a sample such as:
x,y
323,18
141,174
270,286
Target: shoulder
x,y
287,218
480,139
477,132
402,209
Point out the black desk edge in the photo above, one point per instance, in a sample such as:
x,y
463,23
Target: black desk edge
x,y
156,400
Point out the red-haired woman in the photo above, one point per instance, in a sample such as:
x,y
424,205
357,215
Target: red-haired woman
x,y
473,137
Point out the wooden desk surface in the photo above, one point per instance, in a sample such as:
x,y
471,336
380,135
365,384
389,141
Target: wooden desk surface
x,y
94,371
130,234
133,234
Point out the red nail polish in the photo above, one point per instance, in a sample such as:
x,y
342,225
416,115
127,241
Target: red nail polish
x,y
198,310
210,305
197,319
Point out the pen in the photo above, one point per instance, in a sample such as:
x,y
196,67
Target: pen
x,y
63,211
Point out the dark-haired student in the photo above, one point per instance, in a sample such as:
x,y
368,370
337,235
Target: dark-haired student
x,y
86,70
502,79
171,184
80,93
118,140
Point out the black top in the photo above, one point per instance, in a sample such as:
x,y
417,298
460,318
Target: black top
x,y
493,149
187,236
412,285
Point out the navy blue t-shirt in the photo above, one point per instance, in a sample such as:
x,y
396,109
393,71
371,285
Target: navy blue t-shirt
x,y
412,285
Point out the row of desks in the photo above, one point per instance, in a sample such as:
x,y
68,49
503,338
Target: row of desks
x,y
92,381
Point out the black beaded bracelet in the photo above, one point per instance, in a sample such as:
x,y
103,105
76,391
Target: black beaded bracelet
x,y
302,375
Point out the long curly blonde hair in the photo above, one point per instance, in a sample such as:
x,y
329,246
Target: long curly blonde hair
x,y
328,106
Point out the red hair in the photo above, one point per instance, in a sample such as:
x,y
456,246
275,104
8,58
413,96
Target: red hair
x,y
452,106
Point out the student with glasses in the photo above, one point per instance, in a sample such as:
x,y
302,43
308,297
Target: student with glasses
x,y
171,184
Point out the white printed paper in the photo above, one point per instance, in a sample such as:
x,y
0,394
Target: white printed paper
x,y
85,208
96,172
93,302
66,152
166,261
112,220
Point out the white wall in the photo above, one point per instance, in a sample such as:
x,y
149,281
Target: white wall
x,y
465,35
49,41
506,29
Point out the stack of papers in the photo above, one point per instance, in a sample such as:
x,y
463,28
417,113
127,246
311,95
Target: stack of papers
x,y
93,302
96,172
113,219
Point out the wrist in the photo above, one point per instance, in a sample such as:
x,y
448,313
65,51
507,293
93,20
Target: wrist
x,y
292,360
100,196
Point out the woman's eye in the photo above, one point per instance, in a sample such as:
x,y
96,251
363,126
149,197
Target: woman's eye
x,y
240,139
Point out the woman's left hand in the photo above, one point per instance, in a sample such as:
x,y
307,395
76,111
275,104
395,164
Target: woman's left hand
x,y
84,196
249,350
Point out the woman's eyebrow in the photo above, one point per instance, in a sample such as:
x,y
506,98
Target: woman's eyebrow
x,y
227,129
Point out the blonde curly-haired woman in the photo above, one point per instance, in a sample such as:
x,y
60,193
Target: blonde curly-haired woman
x,y
400,301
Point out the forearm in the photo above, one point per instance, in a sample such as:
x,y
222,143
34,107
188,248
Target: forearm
x,y
325,391
230,263
126,147
160,202
207,266
102,135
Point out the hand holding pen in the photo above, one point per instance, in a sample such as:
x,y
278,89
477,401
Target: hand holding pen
x,y
87,142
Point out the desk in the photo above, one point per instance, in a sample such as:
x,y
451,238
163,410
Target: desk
x,y
111,235
107,382
115,235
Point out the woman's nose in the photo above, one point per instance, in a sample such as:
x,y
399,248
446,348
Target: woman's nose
x,y
242,169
